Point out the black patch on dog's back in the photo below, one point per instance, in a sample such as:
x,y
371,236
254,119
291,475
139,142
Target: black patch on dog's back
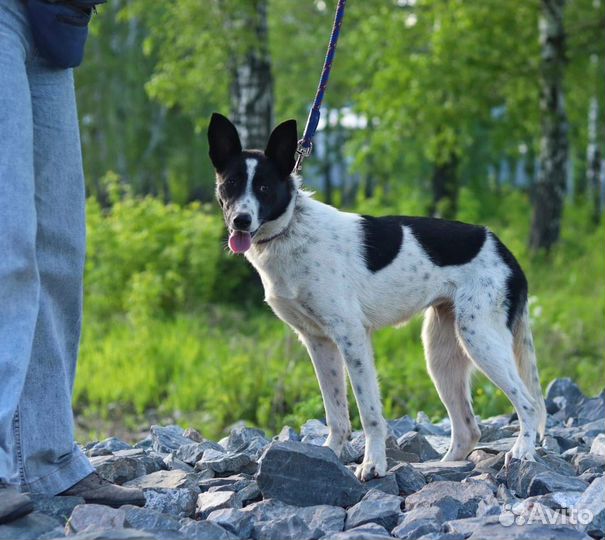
x,y
382,238
446,243
516,283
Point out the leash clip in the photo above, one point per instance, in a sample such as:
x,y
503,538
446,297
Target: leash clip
x,y
302,152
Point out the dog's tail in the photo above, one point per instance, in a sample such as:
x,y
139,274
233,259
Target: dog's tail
x,y
525,356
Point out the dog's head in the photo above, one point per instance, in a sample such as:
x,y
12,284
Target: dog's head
x,y
252,187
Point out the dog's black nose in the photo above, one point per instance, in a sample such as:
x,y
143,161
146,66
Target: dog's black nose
x,y
242,222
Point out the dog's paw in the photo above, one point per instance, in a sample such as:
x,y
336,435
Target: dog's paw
x,y
520,450
371,469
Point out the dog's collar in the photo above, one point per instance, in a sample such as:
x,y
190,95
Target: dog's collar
x,y
265,240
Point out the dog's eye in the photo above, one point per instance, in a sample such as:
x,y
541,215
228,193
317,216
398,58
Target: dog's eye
x,y
263,188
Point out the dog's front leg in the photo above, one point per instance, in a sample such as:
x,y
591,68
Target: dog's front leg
x,y
355,344
330,371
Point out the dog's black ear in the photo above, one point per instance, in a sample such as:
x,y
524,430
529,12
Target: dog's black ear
x,y
223,141
282,147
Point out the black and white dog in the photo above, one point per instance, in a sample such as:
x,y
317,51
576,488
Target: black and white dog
x,y
335,277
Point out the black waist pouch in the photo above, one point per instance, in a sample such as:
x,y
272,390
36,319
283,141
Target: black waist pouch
x,y
60,29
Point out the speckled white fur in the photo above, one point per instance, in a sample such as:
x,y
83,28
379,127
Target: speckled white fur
x,y
316,280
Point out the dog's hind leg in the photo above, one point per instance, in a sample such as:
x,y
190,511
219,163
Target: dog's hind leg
x,y
450,369
330,371
488,341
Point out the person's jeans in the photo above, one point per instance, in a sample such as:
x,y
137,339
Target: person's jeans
x,y
42,246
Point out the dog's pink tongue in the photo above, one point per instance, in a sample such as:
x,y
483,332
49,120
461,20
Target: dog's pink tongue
x,y
240,241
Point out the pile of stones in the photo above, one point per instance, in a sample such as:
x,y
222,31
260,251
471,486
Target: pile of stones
x,y
247,486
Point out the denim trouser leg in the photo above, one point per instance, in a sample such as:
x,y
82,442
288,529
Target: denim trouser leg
x,y
41,182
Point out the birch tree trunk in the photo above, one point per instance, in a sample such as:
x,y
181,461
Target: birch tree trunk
x,y
445,188
549,188
251,91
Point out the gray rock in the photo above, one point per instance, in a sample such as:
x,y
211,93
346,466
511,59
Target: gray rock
x,y
107,447
118,469
500,445
419,522
210,501
485,479
415,443
193,434
223,463
409,480
144,444
94,516
287,528
233,520
598,445
249,493
172,463
456,500
563,395
57,507
387,484
313,428
592,501
527,478
178,502
191,453
115,534
287,434
166,480
375,507
401,426
585,461
205,530
325,518
241,437
306,475
491,528
555,463
146,519
370,531
166,439
444,470
591,410
28,527
551,444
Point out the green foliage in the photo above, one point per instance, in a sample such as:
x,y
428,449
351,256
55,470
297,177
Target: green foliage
x,y
148,259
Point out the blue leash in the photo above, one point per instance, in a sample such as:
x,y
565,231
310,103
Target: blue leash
x,y
305,145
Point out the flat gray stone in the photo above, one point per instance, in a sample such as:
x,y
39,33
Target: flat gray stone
x,y
57,507
287,434
31,526
415,443
598,445
86,517
178,502
107,447
165,480
419,522
527,478
208,502
224,463
205,530
387,484
306,475
191,453
409,480
375,507
370,531
491,528
146,519
592,502
286,528
242,437
114,534
456,500
167,439
401,426
444,470
233,520
172,463
118,469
